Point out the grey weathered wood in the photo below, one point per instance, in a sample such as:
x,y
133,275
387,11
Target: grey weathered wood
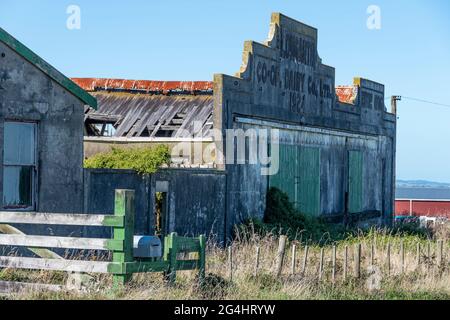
x,y
357,261
8,217
305,260
53,242
402,257
293,259
257,258
345,263
321,262
388,258
230,262
333,262
54,264
418,257
372,254
280,255
440,253
43,253
8,288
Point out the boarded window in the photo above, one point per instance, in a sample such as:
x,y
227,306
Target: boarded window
x,y
19,165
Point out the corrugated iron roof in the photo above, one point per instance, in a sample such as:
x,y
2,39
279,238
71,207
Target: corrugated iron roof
x,y
347,94
153,115
148,86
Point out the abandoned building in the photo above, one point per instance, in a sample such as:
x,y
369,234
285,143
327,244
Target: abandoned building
x,y
41,133
332,148
336,144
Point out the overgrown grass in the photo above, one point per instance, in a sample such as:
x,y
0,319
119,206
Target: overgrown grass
x,y
416,283
142,160
281,218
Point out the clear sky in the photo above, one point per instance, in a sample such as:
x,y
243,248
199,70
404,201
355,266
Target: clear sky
x,y
192,40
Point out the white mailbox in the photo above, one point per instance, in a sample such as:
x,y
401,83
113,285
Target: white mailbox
x,y
147,247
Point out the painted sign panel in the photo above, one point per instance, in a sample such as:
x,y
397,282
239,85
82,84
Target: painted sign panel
x,y
288,73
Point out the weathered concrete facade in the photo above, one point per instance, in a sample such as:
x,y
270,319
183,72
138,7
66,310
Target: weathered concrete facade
x,y
336,151
334,157
33,92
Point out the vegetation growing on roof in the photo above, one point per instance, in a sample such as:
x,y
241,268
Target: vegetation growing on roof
x,y
142,160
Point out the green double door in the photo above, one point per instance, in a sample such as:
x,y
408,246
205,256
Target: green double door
x,y
299,177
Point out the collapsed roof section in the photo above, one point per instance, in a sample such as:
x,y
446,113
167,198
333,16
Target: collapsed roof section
x,y
151,109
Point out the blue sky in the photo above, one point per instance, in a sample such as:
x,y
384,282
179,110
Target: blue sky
x,y
192,40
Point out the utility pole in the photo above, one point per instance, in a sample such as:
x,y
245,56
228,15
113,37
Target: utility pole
x,y
394,100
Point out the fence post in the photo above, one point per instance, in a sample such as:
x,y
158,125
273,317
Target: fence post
x,y
418,255
333,272
440,253
388,258
258,252
345,262
372,254
230,261
305,261
294,259
402,257
124,206
202,257
358,260
170,255
280,255
321,261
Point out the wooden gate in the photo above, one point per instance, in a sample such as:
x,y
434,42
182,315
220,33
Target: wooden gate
x,y
123,263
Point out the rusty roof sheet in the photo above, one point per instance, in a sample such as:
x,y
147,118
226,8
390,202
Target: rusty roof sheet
x,y
148,86
154,115
347,94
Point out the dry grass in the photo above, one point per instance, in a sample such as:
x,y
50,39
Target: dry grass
x,y
426,281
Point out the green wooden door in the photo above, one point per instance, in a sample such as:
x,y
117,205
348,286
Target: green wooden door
x,y
285,179
308,189
355,181
299,177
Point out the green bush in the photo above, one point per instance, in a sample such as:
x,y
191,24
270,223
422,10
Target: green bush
x,y
282,218
142,160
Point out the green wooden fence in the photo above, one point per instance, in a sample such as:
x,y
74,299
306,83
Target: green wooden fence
x,y
123,263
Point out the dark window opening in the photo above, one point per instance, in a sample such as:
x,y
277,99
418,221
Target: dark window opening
x,y
19,165
161,214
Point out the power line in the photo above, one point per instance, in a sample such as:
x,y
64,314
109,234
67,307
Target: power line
x,y
424,101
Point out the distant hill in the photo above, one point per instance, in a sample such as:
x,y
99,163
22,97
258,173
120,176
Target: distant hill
x,y
422,189
422,184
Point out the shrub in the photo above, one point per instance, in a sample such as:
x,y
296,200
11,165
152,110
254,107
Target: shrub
x,y
281,217
142,160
